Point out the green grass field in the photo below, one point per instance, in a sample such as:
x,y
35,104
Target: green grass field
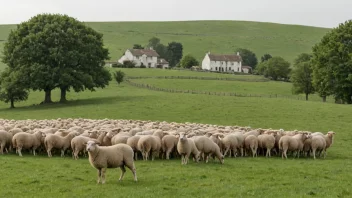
x,y
241,177
199,37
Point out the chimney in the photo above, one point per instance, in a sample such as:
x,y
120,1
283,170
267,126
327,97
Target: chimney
x,y
238,53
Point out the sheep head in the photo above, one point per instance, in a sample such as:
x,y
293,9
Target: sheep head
x,y
91,145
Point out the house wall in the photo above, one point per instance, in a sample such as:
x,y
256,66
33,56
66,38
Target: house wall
x,y
206,63
139,60
245,70
225,66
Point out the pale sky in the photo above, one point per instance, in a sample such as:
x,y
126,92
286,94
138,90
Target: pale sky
x,y
321,13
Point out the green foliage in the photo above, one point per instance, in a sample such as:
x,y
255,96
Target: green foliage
x,y
248,57
128,64
332,64
265,57
12,88
161,50
137,46
57,51
119,76
175,53
153,42
188,61
302,75
276,68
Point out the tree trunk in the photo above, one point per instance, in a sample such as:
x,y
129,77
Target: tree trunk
x,y
306,97
63,94
324,98
12,103
47,98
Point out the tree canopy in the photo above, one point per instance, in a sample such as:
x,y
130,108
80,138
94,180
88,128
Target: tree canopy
x,y
175,53
248,57
265,57
57,51
12,88
188,61
302,75
137,46
332,64
276,68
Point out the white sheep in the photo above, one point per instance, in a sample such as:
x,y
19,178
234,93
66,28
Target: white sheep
x,y
292,143
5,141
230,143
186,147
56,141
251,144
266,141
27,141
119,155
168,144
206,146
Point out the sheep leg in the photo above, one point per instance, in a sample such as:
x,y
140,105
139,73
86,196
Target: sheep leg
x,y
103,170
34,152
135,155
241,151
133,169
186,158
206,157
2,149
168,151
123,170
314,153
19,151
227,149
234,152
99,175
62,153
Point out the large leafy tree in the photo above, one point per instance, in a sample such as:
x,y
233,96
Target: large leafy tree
x,y
137,46
265,57
57,51
12,88
175,53
332,64
302,75
248,57
188,61
277,68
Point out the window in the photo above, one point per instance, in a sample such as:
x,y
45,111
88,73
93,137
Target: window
x,y
238,69
149,64
216,68
229,68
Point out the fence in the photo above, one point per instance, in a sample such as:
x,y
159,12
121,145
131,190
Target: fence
x,y
151,87
199,78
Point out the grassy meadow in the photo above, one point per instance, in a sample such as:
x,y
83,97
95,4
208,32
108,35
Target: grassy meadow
x,y
199,37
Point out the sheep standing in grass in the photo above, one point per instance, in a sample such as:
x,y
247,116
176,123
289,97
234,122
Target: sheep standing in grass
x,y
318,143
5,141
292,143
230,143
207,146
168,144
251,144
58,142
119,155
266,142
27,141
186,147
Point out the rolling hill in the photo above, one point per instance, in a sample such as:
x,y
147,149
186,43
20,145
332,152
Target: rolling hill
x,y
198,37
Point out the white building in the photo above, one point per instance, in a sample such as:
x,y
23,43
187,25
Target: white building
x,y
147,57
222,63
246,69
162,63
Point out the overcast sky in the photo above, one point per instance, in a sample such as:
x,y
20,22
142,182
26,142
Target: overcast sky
x,y
322,13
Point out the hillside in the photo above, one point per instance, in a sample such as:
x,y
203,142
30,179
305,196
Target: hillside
x,y
199,37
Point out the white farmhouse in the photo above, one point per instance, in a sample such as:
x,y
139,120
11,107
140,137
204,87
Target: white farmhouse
x,y
147,57
222,63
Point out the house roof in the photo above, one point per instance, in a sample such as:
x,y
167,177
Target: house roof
x,y
225,57
162,61
246,67
147,52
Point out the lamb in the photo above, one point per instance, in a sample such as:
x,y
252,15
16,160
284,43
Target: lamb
x,y
168,143
230,143
206,146
27,141
58,142
185,147
267,142
251,143
292,143
5,141
119,155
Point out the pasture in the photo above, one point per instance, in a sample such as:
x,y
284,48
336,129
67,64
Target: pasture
x,y
199,37
241,177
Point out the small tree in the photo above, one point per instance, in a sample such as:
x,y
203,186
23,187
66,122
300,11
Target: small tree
x,y
174,53
188,61
137,46
11,88
265,57
248,57
277,68
302,75
119,76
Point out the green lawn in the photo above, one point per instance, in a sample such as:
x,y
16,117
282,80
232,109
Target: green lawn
x,y
199,37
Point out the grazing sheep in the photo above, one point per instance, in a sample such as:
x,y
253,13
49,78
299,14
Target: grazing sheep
x,y
27,141
267,142
230,143
186,147
251,144
119,155
292,143
168,144
206,146
58,142
5,141
318,143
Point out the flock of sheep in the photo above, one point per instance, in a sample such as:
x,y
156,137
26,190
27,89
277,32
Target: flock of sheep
x,y
118,143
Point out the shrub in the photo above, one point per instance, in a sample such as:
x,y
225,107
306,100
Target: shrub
x,y
119,76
